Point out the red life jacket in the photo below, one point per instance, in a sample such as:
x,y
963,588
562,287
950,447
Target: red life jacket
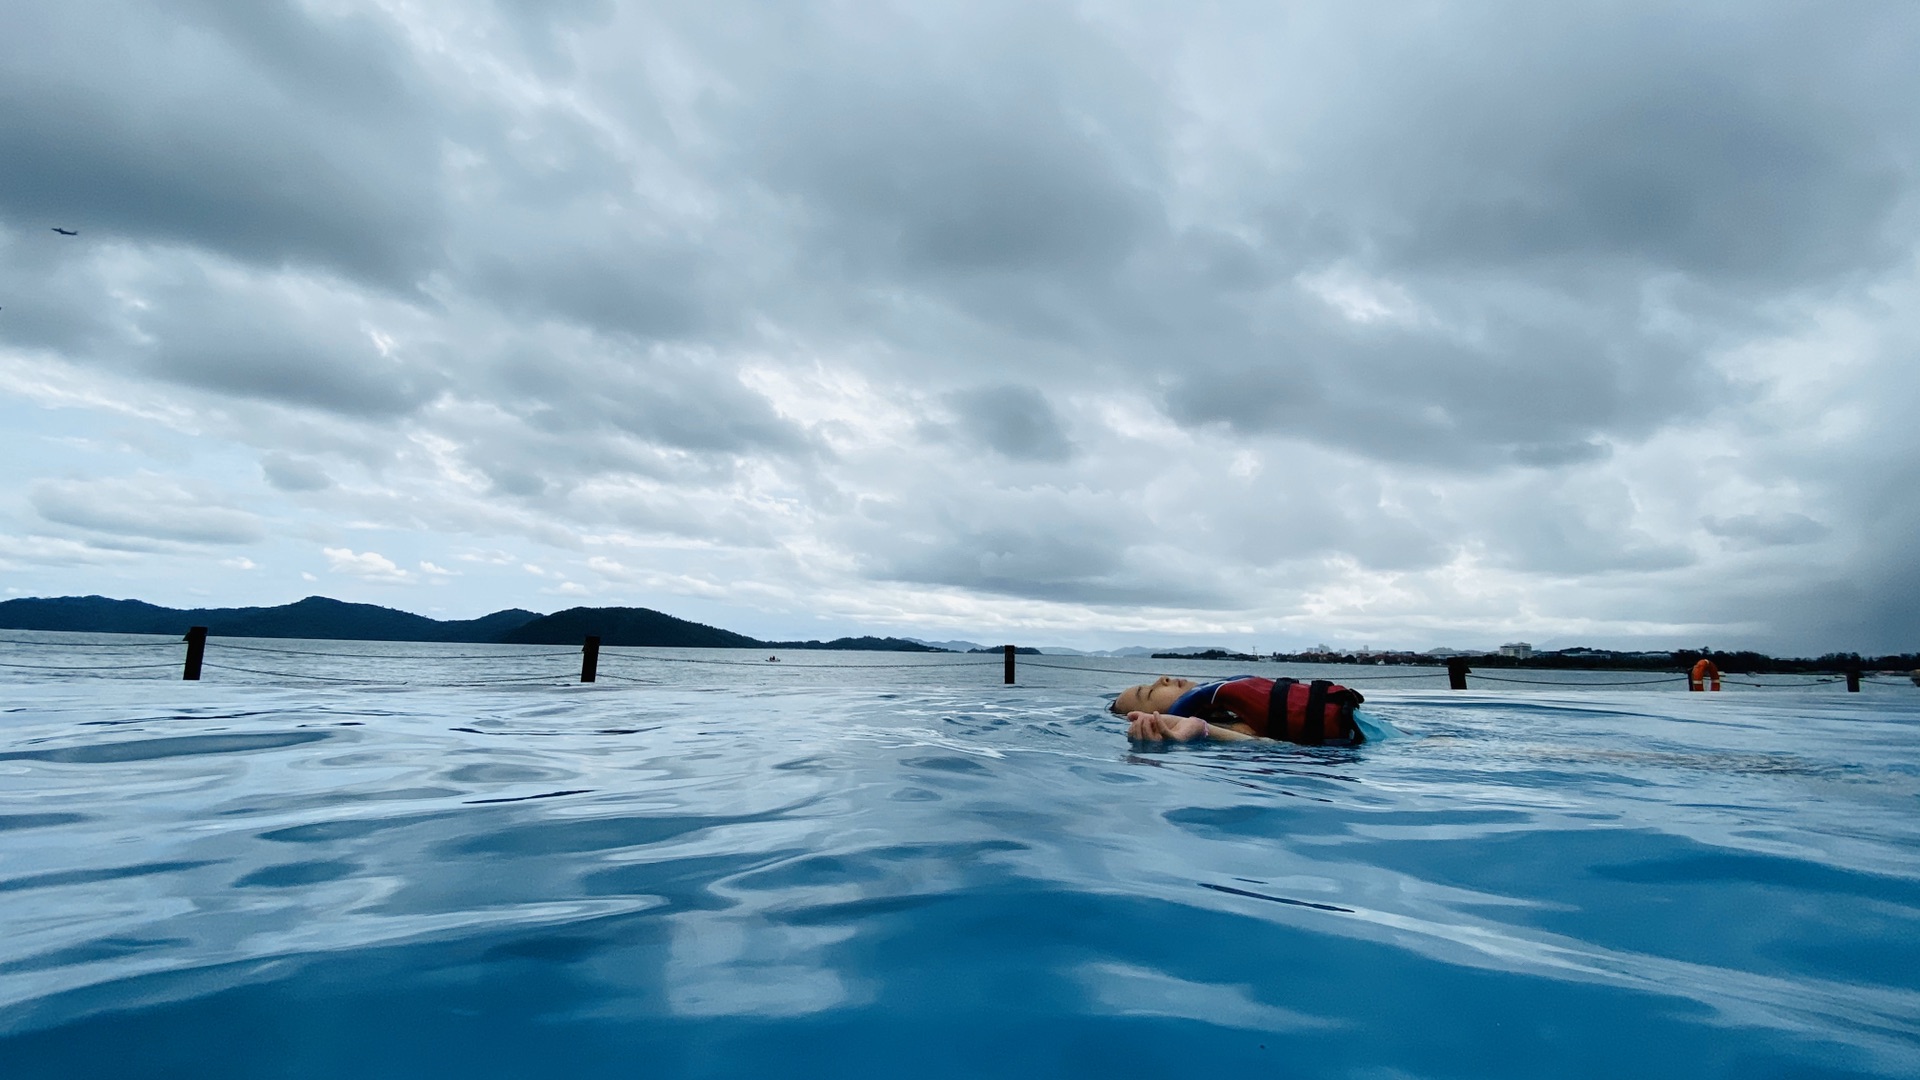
x,y
1287,709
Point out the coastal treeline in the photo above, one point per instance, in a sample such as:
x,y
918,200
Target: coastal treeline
x,y
324,618
1739,661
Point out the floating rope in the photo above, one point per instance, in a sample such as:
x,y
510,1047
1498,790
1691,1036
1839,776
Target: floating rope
x,y
1080,667
395,656
116,667
811,667
93,644
296,675
1560,682
1434,674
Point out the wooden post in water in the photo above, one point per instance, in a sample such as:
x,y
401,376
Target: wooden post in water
x,y
1457,671
1009,653
590,658
196,652
1853,680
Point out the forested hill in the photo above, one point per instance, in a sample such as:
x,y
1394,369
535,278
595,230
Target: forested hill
x,y
314,617
646,627
626,626
324,618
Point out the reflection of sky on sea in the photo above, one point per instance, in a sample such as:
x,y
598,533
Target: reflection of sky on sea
x,y
1734,875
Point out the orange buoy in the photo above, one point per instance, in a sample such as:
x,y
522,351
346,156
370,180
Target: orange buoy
x,y
1705,675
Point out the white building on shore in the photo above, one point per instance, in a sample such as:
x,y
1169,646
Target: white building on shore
x,y
1519,650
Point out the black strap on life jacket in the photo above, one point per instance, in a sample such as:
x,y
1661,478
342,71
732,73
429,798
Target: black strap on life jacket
x,y
1315,731
1277,708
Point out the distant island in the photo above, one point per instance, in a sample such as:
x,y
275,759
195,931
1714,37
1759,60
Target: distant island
x,y
321,617
1580,658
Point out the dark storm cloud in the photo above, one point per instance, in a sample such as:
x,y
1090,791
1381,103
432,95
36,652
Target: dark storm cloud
x,y
685,399
635,287
1767,530
262,343
1528,177
52,301
1873,608
1745,144
1003,139
1016,421
1522,393
188,322
255,130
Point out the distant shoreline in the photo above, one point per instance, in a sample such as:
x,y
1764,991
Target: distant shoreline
x,y
325,619
1742,662
321,618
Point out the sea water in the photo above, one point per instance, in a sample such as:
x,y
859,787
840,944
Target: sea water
x,y
451,861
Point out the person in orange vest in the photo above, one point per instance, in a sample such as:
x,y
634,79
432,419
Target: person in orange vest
x,y
1704,672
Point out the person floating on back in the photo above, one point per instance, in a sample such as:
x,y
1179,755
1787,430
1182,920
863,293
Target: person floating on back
x,y
1171,709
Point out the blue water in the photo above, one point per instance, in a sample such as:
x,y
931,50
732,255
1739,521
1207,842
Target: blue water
x,y
902,867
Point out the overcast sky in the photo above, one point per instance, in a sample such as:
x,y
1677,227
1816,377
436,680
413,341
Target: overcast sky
x,y
1264,324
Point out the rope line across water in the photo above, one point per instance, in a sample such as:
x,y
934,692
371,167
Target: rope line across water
x,y
89,667
809,667
93,644
1080,667
1559,682
396,656
295,675
1437,673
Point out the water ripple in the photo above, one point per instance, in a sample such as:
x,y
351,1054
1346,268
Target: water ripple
x,y
1520,885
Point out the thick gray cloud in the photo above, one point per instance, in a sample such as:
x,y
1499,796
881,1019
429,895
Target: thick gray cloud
x,y
1479,320
1014,420
254,130
1766,530
143,508
290,473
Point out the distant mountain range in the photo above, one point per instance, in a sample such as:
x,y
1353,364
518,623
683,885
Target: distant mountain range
x,y
949,646
322,617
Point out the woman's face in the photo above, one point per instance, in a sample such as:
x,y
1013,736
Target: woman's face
x,y
1156,696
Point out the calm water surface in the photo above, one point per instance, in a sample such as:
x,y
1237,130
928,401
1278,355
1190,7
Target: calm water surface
x,y
736,868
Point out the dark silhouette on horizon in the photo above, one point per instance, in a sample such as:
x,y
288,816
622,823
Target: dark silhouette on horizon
x,y
322,617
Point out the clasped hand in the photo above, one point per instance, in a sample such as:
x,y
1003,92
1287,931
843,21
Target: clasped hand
x,y
1164,727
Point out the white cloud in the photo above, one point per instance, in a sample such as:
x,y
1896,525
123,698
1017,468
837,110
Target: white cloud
x,y
1361,298
491,558
368,566
20,551
610,568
